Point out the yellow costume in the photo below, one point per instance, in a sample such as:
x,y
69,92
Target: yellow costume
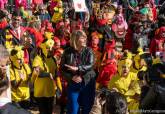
x,y
136,66
57,56
48,35
8,42
58,13
44,86
127,58
128,86
19,74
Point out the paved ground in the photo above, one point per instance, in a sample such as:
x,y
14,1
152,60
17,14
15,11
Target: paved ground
x,y
56,110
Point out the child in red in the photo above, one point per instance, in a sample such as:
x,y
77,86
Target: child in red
x,y
108,64
157,44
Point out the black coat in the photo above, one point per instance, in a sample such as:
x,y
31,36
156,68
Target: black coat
x,y
83,60
155,98
11,108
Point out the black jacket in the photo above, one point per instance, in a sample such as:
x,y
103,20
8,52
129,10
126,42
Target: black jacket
x,y
83,60
155,98
11,108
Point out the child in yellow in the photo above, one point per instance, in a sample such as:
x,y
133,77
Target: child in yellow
x,y
8,43
58,12
126,58
127,84
43,75
19,76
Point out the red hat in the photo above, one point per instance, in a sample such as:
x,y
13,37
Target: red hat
x,y
102,21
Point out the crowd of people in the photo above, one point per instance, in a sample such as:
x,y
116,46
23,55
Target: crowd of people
x,y
108,59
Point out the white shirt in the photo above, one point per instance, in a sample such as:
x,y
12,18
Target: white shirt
x,y
4,101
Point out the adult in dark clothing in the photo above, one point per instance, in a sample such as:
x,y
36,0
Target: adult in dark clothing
x,y
161,20
6,107
77,67
155,97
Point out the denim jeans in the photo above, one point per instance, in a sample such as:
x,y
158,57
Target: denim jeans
x,y
80,96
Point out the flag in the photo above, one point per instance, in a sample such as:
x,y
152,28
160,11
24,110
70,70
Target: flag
x,y
79,5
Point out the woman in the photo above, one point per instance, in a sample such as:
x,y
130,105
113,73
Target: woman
x,y
77,67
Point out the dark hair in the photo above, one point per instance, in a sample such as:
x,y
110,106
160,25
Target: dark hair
x,y
116,103
147,58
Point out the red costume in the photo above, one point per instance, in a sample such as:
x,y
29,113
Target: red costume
x,y
46,26
3,24
37,35
108,64
21,3
158,43
63,34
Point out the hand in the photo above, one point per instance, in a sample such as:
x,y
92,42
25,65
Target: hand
x,y
99,101
37,69
27,42
72,68
115,89
51,76
22,76
77,79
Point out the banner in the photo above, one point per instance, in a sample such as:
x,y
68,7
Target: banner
x,y
79,5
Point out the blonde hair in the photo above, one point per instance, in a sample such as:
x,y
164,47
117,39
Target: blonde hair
x,y
75,36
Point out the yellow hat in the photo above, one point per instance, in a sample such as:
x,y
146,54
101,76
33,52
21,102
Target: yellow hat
x,y
125,62
48,44
16,53
127,55
48,35
137,58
